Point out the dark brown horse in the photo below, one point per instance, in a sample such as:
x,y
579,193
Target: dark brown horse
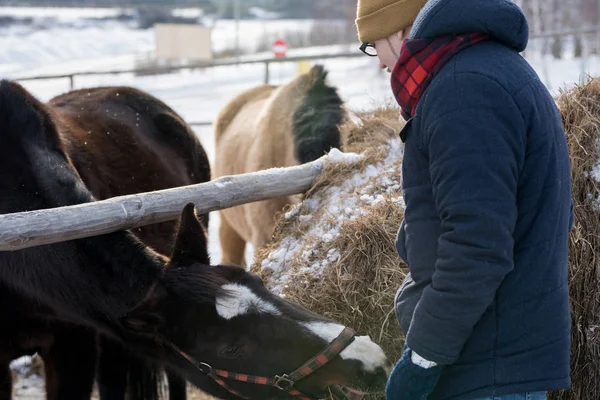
x,y
211,325
122,141
151,148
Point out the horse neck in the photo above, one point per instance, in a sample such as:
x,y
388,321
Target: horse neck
x,y
286,99
91,281
275,123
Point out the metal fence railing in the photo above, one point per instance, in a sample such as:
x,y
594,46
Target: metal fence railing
x,y
160,70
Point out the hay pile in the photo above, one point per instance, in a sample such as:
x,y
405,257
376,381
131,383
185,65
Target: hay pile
x,y
580,109
334,252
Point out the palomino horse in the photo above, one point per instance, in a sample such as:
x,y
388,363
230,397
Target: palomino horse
x,y
214,325
267,127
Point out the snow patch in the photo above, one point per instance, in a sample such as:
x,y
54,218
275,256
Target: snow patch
x,y
28,384
223,184
595,174
321,217
335,155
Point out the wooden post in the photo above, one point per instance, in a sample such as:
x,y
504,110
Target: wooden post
x,y
71,82
236,17
266,72
34,228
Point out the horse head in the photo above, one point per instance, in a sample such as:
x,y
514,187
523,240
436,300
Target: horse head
x,y
233,338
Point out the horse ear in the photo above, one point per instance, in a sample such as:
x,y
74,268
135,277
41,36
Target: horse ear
x,y
191,245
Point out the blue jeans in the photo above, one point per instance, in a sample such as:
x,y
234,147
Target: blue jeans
x,y
517,396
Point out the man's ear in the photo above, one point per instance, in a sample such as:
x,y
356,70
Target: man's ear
x,y
191,245
147,317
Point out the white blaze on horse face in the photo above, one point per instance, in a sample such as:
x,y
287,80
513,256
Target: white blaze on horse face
x,y
242,300
361,349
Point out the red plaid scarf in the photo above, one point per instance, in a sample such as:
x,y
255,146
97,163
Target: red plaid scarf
x,y
419,62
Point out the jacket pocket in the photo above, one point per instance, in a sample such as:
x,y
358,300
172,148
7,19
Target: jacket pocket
x,y
405,303
400,243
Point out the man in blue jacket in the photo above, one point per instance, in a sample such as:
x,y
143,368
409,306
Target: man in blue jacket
x,y
486,181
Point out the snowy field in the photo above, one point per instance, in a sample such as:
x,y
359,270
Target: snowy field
x,y
63,40
198,95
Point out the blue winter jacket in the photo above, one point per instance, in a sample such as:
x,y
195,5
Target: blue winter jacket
x,y
486,181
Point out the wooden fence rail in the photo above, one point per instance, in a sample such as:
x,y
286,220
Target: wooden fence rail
x,y
33,228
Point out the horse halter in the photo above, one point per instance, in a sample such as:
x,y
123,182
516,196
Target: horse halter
x,y
284,382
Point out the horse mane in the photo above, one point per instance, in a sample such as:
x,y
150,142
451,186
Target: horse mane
x,y
316,121
231,109
311,109
198,283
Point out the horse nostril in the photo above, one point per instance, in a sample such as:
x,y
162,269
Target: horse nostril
x,y
377,379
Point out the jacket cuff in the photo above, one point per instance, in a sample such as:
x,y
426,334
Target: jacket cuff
x,y
426,337
420,361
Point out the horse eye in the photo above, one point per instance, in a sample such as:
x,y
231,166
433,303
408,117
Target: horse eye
x,y
232,352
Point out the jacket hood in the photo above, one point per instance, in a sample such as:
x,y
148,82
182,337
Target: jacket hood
x,y
503,20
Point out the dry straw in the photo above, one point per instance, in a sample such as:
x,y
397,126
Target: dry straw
x,y
580,110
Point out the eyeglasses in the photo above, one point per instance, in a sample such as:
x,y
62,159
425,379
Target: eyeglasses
x,y
368,49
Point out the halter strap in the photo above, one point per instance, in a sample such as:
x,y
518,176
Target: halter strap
x,y
283,382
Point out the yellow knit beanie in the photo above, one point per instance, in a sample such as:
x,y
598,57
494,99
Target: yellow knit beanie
x,y
378,19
